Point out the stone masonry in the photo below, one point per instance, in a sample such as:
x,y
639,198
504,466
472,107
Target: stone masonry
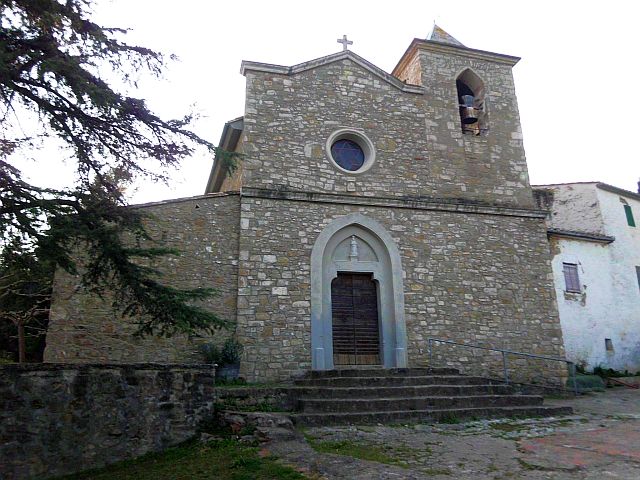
x,y
475,263
84,328
60,419
468,277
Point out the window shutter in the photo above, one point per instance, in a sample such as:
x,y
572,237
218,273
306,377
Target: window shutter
x,y
571,278
629,213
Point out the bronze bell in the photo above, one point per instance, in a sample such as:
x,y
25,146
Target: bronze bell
x,y
468,113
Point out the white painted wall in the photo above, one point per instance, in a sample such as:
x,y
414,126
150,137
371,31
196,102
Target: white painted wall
x,y
625,256
609,305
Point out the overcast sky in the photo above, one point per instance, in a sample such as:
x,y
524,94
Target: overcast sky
x,y
574,83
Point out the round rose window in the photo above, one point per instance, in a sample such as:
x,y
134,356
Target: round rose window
x,y
350,151
347,154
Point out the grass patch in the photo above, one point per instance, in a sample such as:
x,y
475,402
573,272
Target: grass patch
x,y
506,427
449,418
436,471
359,450
587,383
367,429
529,466
610,372
219,459
563,422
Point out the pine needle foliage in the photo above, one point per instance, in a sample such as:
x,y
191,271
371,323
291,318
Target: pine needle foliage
x,y
70,77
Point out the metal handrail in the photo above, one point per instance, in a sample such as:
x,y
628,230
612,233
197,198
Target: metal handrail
x,y
505,352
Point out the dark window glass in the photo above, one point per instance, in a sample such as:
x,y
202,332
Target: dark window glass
x,y
638,275
571,279
629,213
608,344
347,154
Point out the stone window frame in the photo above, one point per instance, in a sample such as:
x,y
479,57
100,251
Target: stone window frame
x,y
357,136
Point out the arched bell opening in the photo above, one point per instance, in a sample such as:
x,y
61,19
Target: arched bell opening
x,y
471,103
357,300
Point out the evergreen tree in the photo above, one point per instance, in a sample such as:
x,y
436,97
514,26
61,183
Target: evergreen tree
x,y
25,296
70,76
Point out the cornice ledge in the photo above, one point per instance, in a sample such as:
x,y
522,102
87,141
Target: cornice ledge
x,y
467,52
169,201
576,235
414,203
318,62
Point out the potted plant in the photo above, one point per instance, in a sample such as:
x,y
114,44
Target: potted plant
x,y
211,353
227,359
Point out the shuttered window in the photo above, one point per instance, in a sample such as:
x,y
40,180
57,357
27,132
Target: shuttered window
x,y
629,213
571,279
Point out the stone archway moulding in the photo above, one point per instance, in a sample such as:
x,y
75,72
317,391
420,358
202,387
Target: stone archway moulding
x,y
389,275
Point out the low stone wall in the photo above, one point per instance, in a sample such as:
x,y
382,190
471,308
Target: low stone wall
x,y
59,418
275,399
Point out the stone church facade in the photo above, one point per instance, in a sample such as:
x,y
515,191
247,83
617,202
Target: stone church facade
x,y
367,215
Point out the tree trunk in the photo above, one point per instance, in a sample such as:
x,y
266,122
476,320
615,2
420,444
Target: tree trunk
x,y
22,347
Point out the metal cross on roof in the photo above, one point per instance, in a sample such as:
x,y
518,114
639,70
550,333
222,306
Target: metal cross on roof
x,y
345,42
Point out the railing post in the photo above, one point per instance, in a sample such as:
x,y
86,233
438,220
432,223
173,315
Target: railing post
x,y
575,380
430,354
504,367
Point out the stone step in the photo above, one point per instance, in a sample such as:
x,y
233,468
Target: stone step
x,y
390,381
401,391
329,406
382,372
449,415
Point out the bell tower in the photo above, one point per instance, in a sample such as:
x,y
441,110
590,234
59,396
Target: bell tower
x,y
472,118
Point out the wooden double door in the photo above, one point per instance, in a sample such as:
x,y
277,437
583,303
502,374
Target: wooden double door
x,y
354,308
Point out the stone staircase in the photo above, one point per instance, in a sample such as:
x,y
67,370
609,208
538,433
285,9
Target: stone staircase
x,y
371,396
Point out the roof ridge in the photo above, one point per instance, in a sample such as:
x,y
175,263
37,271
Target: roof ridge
x,y
334,57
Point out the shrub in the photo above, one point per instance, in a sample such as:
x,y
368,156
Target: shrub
x,y
229,354
211,353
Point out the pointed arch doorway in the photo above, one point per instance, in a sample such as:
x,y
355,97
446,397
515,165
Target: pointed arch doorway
x,y
357,301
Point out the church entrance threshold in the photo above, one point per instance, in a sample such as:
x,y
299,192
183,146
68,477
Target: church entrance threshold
x,y
354,306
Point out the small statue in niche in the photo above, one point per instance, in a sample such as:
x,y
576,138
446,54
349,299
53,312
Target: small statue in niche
x,y
353,252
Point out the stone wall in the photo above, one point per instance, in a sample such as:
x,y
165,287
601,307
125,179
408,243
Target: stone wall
x,y
60,419
246,398
84,328
493,164
468,277
420,148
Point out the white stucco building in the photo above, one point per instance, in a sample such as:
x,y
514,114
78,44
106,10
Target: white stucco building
x,y
594,236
